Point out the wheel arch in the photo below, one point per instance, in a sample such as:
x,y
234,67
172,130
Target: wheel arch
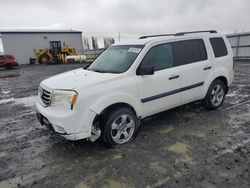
x,y
223,79
106,110
219,74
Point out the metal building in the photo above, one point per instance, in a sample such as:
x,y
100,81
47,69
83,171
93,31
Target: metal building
x,y
21,43
240,43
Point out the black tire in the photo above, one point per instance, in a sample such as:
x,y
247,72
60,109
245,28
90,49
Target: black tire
x,y
210,99
8,66
44,59
32,61
111,118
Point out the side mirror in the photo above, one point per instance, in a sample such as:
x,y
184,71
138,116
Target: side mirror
x,y
145,70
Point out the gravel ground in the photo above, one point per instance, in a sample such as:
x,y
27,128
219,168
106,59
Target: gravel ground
x,y
184,147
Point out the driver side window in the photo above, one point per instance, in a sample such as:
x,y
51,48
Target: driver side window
x,y
161,56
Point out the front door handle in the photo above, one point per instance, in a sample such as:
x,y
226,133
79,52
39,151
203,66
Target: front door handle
x,y
174,77
207,68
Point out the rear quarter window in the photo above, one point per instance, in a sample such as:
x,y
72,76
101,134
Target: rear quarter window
x,y
2,57
219,47
189,51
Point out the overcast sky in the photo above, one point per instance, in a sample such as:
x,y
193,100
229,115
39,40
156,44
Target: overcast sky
x,y
130,17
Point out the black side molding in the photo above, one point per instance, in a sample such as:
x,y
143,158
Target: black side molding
x,y
171,92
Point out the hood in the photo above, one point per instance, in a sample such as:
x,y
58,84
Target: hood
x,y
78,78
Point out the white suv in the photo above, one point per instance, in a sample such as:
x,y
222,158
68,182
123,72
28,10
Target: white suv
x,y
131,81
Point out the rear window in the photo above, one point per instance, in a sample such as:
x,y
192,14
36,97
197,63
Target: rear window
x,y
219,47
189,51
9,57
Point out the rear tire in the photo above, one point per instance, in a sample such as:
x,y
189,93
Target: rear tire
x,y
215,95
119,127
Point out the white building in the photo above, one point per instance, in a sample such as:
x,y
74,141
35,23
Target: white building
x,y
21,43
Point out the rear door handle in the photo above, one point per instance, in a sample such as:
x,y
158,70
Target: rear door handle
x,y
174,77
207,68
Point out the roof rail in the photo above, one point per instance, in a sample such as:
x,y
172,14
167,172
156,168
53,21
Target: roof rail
x,y
178,34
149,36
190,32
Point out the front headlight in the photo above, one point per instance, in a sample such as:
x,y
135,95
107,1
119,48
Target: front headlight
x,y
63,97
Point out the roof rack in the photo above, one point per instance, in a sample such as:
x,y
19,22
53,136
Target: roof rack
x,y
163,35
178,34
190,32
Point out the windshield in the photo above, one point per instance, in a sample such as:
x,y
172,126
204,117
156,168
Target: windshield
x,y
116,59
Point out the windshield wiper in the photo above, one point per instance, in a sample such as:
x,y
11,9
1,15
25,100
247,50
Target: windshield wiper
x,y
97,70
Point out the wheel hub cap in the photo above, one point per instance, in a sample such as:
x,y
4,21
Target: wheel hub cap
x,y
122,128
217,95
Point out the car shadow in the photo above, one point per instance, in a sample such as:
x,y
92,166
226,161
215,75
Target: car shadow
x,y
63,147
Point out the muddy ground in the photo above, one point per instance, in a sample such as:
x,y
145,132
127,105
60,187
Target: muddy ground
x,y
184,147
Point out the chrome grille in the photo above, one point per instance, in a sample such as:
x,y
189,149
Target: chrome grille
x,y
45,96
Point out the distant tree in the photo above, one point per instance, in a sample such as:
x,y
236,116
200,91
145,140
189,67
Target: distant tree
x,y
86,43
108,41
94,43
112,41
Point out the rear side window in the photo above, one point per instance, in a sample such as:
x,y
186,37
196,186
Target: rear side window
x,y
9,57
189,51
161,56
219,47
2,57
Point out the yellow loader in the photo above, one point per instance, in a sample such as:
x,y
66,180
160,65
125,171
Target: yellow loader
x,y
55,54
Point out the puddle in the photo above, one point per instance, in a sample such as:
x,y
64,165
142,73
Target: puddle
x,y
82,185
178,174
26,101
181,149
10,75
189,115
109,183
4,101
114,184
231,94
159,183
3,154
116,157
178,148
5,92
199,134
167,130
5,185
24,179
157,167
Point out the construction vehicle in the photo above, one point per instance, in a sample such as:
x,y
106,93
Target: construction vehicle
x,y
56,53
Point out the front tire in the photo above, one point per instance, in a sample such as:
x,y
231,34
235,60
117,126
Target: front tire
x,y
215,95
8,66
120,127
44,59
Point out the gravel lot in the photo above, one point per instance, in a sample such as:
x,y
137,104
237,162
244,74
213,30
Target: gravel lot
x,y
184,147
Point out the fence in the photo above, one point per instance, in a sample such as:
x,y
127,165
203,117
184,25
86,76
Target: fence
x,y
240,43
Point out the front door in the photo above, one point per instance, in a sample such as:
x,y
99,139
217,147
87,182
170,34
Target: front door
x,y
159,92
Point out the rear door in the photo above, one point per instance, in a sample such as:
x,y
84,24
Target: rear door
x,y
191,56
159,91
